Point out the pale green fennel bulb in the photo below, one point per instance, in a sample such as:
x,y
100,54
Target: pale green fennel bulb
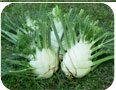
x,y
34,44
85,42
59,27
45,63
76,60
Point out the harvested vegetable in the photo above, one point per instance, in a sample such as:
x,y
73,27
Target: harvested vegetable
x,y
34,43
85,43
59,27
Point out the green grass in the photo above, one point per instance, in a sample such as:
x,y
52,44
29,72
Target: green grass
x,y
100,79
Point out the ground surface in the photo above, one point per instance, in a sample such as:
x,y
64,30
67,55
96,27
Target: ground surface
x,y
100,79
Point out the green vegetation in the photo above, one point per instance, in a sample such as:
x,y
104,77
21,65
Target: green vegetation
x,y
99,79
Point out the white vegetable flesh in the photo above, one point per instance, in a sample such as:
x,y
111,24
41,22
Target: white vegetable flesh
x,y
76,61
59,28
45,64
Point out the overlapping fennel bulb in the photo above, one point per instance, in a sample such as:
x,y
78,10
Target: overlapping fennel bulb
x,y
45,63
31,23
58,24
59,27
76,60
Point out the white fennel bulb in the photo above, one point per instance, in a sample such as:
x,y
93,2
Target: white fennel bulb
x,y
76,61
59,28
45,63
31,23
84,43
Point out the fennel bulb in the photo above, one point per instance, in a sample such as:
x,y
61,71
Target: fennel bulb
x,y
59,27
35,46
84,43
76,60
45,63
31,23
